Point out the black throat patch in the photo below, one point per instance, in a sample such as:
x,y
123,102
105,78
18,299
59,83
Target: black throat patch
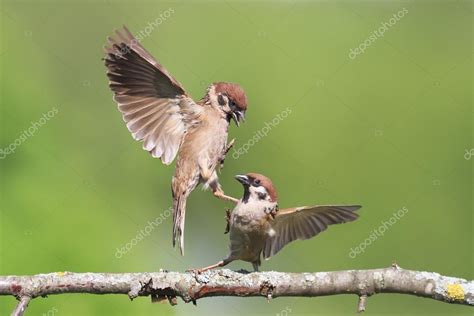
x,y
228,117
246,197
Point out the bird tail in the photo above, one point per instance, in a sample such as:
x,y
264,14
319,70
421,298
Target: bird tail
x,y
179,212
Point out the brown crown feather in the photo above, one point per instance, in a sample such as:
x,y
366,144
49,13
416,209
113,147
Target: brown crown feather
x,y
234,92
266,183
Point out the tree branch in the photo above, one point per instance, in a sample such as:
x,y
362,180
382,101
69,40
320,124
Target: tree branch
x,y
22,305
191,287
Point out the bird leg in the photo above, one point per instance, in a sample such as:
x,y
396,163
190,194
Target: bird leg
x,y
211,179
226,150
229,146
227,217
213,266
255,266
218,193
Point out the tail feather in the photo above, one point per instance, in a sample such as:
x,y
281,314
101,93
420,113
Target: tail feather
x,y
179,212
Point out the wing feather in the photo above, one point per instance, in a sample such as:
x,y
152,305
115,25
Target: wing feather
x,y
305,222
154,105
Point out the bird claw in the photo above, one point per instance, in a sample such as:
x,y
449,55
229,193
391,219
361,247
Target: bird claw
x,y
194,271
272,212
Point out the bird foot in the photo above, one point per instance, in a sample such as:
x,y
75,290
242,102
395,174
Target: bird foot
x,y
220,195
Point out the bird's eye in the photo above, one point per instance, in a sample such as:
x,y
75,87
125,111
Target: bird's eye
x,y
256,182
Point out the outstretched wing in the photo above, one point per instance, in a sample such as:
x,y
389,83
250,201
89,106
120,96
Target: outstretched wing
x,y
305,222
154,105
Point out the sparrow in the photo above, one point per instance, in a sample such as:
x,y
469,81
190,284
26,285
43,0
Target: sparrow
x,y
258,227
158,111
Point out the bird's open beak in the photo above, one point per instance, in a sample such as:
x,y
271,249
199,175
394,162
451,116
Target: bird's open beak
x,y
238,116
242,179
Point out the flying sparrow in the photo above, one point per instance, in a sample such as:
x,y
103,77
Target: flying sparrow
x,y
159,112
257,226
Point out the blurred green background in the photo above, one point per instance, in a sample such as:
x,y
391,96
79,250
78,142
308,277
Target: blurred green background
x,y
387,129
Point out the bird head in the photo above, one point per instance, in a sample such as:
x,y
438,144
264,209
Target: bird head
x,y
257,187
229,98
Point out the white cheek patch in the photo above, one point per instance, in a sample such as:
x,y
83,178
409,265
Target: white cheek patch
x,y
260,189
257,191
214,99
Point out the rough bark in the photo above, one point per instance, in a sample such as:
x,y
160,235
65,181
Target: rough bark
x,y
191,287
22,305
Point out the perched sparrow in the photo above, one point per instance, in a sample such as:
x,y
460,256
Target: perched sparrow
x,y
257,226
160,113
